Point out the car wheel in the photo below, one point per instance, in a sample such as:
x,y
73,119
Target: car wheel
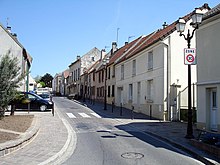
x,y
43,108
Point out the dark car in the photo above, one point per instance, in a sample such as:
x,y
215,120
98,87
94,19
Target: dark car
x,y
28,100
46,96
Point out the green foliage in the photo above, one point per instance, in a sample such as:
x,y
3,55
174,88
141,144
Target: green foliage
x,y
47,79
42,84
37,79
10,79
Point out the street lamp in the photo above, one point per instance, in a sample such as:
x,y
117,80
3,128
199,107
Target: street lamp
x,y
105,63
180,26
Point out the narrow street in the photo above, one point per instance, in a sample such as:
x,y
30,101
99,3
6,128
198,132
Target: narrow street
x,y
105,140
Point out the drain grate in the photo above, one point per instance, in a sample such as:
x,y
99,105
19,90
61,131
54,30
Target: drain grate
x,y
132,155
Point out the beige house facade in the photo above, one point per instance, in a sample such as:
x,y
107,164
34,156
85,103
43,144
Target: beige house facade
x,y
78,85
208,57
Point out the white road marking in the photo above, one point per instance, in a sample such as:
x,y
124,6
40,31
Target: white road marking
x,y
70,115
84,115
96,115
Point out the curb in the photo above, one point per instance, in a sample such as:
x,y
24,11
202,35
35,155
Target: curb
x,y
68,148
185,149
14,145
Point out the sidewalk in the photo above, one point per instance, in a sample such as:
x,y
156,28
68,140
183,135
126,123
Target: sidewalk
x,y
50,139
171,132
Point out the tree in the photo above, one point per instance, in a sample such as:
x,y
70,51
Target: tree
x,y
47,79
37,78
10,78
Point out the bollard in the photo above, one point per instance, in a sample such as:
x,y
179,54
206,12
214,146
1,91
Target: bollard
x,y
112,106
121,110
132,112
53,110
150,112
29,107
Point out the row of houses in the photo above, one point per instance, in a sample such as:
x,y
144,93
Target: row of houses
x,y
149,74
9,43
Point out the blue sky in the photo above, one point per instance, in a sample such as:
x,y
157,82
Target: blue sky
x,y
54,32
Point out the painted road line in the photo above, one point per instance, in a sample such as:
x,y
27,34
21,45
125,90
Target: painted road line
x,y
70,115
96,115
84,115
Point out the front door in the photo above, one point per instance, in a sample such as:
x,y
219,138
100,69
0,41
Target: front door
x,y
213,110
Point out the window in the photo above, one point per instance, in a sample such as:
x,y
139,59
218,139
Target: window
x,y
130,92
109,91
214,99
102,75
150,90
93,76
97,92
77,77
72,76
93,58
113,91
99,77
133,67
122,72
113,71
78,73
150,60
109,72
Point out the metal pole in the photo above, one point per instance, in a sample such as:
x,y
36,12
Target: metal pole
x,y
121,110
132,113
105,107
189,134
112,106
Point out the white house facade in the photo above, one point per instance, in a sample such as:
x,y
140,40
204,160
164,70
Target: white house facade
x,y
10,43
208,57
151,77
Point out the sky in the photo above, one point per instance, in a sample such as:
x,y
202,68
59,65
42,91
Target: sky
x,y
54,32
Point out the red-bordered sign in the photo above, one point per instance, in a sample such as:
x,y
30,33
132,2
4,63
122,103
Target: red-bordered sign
x,y
190,56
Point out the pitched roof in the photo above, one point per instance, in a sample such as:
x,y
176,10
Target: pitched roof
x,y
156,36
123,50
25,54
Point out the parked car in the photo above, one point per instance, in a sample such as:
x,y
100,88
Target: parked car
x,y
46,96
28,100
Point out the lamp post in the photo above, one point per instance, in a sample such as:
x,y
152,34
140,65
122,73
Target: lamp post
x,y
105,63
180,26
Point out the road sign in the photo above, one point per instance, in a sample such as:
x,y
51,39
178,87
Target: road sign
x,y
190,56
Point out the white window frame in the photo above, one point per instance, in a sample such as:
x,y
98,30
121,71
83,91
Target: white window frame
x,y
150,89
122,72
133,67
130,92
150,60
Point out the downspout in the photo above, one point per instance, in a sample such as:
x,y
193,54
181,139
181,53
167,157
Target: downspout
x,y
167,80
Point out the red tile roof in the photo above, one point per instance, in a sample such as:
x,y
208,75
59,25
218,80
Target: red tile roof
x,y
122,51
155,37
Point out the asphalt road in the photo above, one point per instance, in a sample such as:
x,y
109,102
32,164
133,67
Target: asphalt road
x,y
102,140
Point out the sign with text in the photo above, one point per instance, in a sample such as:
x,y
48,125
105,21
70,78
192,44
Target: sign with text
x,y
190,56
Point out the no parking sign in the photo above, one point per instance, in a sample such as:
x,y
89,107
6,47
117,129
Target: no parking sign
x,y
190,56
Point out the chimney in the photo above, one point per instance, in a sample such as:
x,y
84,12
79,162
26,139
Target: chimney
x,y
164,25
77,57
114,47
126,43
8,28
102,53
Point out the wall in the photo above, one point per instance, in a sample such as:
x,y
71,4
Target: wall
x,y
208,69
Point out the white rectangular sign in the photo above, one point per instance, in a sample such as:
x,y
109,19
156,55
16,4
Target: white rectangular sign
x,y
190,56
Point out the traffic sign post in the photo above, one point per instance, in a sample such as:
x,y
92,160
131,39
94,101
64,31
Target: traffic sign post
x,y
190,56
